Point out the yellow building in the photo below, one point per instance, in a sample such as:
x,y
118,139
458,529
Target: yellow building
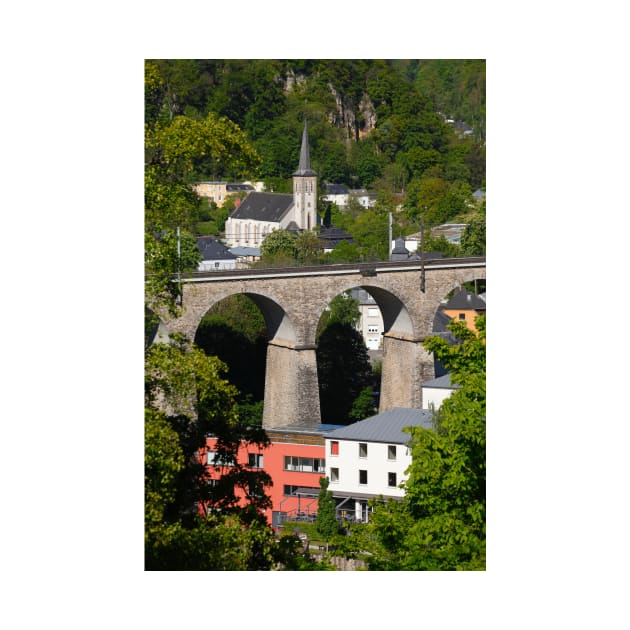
x,y
465,306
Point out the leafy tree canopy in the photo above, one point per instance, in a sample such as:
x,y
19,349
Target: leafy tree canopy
x,y
440,523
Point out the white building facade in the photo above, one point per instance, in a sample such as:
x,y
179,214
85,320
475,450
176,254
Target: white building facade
x,y
436,391
369,458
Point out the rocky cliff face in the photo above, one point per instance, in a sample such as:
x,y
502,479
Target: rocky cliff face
x,y
358,121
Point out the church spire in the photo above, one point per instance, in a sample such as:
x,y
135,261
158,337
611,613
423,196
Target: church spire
x,y
304,168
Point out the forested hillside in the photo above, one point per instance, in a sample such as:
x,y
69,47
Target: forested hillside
x,y
372,123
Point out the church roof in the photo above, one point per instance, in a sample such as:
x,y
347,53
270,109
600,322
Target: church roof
x,y
304,168
260,206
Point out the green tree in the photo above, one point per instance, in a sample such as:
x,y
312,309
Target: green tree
x,y
363,405
278,248
473,241
343,309
441,522
307,248
190,387
326,522
187,398
343,370
167,258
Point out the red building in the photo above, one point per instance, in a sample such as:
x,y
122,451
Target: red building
x,y
295,461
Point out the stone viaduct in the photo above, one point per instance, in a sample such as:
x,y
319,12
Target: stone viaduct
x,y
292,301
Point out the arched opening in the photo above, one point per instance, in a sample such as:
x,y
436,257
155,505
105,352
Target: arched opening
x,y
234,330
238,329
350,351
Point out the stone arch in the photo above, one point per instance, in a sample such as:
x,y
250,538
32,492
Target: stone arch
x,y
278,322
403,354
396,314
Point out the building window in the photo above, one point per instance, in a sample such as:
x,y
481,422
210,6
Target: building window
x,y
334,474
290,491
255,460
363,477
391,480
334,448
362,449
391,451
372,329
255,491
304,464
214,459
462,317
216,265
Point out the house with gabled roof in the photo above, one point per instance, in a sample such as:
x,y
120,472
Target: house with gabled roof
x,y
369,458
464,306
262,212
215,256
336,193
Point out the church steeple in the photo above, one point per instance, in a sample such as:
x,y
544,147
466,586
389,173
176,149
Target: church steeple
x,y
304,168
305,188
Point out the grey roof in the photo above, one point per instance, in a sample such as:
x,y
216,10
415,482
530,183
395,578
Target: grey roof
x,y
263,207
362,295
427,255
236,187
386,426
304,168
441,382
213,250
441,321
466,300
333,236
335,189
245,251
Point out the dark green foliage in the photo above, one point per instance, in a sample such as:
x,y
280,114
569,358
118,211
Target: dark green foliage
x,y
363,406
255,94
234,330
457,87
441,522
473,242
163,264
326,523
343,309
279,243
198,401
343,370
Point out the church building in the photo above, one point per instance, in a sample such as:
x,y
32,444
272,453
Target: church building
x,y
261,212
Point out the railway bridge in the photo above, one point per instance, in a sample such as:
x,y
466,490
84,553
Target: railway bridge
x,y
292,301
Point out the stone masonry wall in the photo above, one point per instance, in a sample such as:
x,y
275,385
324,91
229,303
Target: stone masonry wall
x,y
292,306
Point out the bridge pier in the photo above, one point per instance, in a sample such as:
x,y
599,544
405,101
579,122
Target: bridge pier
x,y
406,364
291,387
